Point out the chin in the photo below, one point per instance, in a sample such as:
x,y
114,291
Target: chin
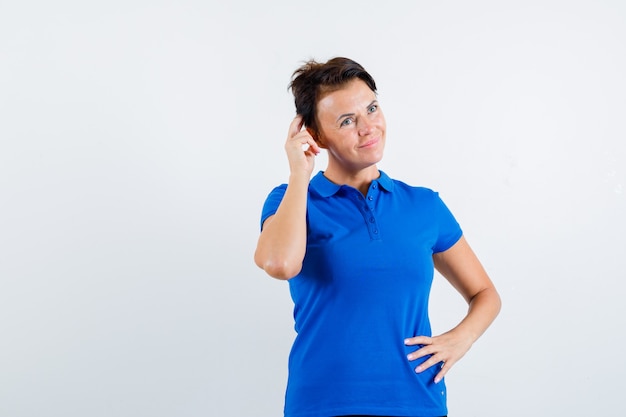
x,y
379,155
375,161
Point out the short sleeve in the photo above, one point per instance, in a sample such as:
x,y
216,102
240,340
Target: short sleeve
x,y
272,202
449,231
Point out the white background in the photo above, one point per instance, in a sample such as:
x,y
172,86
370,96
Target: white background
x,y
139,139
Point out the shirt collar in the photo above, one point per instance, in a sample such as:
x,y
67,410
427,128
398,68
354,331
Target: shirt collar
x,y
325,187
385,181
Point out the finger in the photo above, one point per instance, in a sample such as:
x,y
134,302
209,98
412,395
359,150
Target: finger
x,y
302,141
418,340
433,360
310,153
421,352
314,146
444,370
296,126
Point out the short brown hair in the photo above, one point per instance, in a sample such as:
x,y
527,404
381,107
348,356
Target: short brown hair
x,y
313,79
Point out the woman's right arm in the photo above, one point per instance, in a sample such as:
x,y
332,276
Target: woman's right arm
x,y
282,244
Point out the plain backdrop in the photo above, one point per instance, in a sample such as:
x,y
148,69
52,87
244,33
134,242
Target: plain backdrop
x,y
139,139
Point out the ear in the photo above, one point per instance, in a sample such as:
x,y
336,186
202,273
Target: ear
x,y
316,138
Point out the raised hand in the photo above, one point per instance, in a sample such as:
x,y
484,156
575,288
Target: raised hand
x,y
301,148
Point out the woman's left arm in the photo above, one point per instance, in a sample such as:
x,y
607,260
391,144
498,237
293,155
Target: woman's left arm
x,y
460,266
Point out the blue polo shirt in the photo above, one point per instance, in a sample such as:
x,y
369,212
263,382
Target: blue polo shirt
x,y
363,289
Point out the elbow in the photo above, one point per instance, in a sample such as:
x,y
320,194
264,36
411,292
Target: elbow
x,y
281,272
498,302
487,297
492,298
279,269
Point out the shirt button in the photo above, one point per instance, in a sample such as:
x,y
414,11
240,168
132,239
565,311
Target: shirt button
x,y
375,186
370,198
371,220
375,231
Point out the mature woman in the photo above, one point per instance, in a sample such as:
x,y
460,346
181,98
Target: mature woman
x,y
359,250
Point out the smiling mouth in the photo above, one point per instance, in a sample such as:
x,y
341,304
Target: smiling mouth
x,y
369,143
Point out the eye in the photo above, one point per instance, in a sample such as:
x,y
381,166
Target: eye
x,y
346,122
372,108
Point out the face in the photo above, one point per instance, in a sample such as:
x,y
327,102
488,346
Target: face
x,y
351,127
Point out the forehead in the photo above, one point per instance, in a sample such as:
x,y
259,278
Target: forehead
x,y
348,97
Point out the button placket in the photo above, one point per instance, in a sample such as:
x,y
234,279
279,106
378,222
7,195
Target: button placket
x,y
365,204
370,216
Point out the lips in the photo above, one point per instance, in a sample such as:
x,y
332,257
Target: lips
x,y
369,143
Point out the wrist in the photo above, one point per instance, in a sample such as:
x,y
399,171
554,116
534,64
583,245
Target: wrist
x,y
299,177
463,332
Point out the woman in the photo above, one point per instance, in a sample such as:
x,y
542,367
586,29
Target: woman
x,y
358,249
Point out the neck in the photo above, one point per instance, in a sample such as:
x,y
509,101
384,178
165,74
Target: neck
x,y
360,180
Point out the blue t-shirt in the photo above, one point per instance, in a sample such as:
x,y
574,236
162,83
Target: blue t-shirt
x,y
363,289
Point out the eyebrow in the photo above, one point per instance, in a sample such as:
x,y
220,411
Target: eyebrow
x,y
352,114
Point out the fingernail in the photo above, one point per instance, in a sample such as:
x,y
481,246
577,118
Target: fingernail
x,y
437,380
418,369
409,357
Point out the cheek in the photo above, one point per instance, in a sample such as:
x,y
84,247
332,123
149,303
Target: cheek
x,y
380,120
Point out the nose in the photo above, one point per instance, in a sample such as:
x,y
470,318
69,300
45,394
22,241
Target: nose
x,y
365,126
